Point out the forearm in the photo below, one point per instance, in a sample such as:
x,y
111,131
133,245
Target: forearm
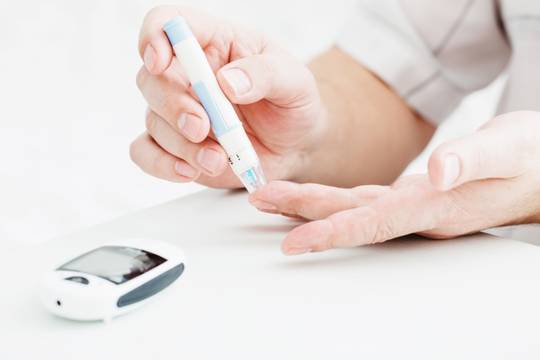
x,y
370,135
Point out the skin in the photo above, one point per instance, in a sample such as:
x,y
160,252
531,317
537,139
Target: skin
x,y
496,181
294,114
327,128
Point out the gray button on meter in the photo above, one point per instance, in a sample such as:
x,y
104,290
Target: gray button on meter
x,y
78,279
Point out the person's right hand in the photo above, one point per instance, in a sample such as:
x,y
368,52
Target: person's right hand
x,y
275,96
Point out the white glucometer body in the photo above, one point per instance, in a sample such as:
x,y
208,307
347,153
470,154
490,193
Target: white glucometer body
x,y
111,279
225,122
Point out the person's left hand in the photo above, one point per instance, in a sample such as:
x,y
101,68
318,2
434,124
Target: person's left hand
x,y
487,179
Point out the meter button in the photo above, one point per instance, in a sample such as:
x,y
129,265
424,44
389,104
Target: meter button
x,y
78,279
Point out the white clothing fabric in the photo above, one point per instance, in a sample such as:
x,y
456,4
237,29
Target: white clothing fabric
x,y
436,52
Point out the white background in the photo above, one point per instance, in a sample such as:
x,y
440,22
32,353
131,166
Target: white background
x,y
70,106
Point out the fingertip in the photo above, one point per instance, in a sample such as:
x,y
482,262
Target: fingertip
x,y
186,171
444,169
154,47
164,52
293,251
313,236
235,83
260,201
212,160
152,159
149,58
269,198
195,127
255,199
288,246
253,196
205,127
157,53
267,190
435,170
265,76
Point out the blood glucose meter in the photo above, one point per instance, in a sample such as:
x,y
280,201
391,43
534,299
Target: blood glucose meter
x,y
112,279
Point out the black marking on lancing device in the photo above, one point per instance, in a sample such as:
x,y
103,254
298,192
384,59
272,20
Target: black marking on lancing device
x,y
152,287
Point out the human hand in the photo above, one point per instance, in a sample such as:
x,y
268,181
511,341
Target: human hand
x,y
487,179
275,96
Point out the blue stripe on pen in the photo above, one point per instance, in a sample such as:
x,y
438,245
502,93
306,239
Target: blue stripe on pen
x,y
216,117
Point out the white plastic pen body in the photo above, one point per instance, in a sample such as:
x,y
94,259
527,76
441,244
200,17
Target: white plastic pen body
x,y
223,118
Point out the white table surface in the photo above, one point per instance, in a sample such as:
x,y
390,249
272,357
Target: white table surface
x,y
240,298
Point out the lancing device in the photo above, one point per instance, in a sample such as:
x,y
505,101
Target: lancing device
x,y
225,122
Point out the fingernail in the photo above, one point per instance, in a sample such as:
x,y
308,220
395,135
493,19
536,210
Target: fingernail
x,y
263,205
184,169
190,125
296,251
210,159
237,80
451,170
149,57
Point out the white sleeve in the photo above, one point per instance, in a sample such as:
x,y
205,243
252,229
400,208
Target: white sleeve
x,y
522,23
382,37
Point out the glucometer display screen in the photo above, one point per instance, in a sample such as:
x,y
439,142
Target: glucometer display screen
x,y
117,264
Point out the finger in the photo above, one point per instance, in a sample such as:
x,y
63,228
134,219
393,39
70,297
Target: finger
x,y
207,156
154,47
399,212
270,76
157,162
492,152
174,104
312,201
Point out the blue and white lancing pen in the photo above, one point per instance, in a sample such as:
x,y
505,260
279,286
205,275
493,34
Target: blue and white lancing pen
x,y
225,122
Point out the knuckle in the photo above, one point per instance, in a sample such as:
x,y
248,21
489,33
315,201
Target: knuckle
x,y
267,71
527,151
141,77
267,64
153,11
150,122
134,151
169,105
410,181
385,230
158,10
301,199
159,165
333,241
344,231
183,150
478,160
455,208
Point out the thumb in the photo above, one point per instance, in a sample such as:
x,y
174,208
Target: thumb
x,y
492,152
280,79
